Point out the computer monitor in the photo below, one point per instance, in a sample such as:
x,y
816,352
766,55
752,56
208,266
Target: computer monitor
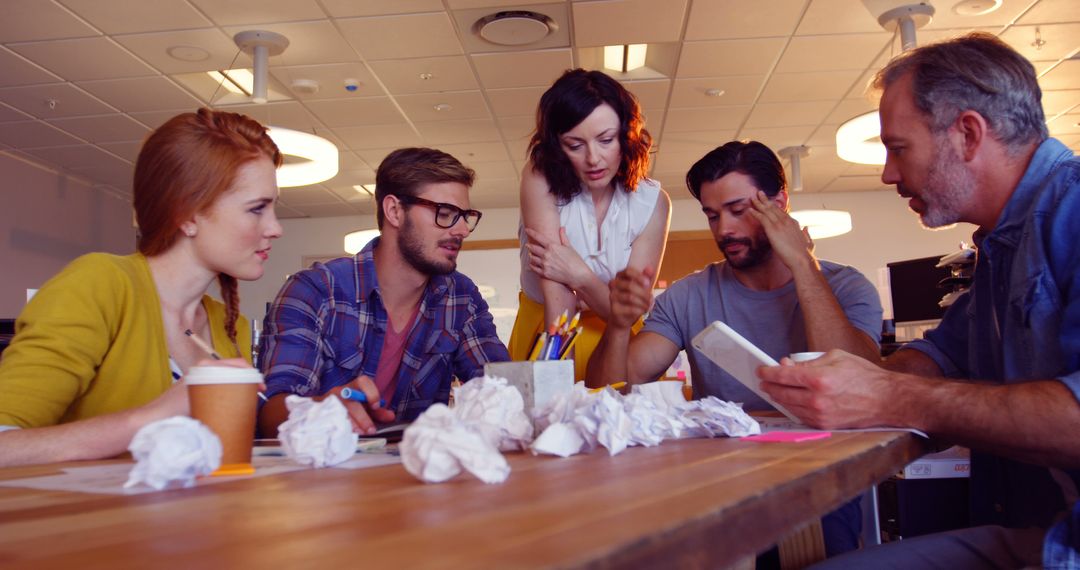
x,y
915,294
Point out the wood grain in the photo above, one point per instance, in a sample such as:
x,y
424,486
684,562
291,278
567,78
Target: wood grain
x,y
695,503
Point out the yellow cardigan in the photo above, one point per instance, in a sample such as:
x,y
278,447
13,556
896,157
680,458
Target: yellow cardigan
x,y
92,342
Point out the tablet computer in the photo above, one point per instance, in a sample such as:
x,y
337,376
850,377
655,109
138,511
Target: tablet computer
x,y
738,357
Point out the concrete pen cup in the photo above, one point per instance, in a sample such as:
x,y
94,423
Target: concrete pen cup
x,y
539,381
224,399
805,356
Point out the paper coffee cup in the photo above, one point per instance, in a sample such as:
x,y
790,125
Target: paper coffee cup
x,y
804,356
224,399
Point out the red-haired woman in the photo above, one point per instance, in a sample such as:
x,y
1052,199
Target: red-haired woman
x,y
99,349
587,209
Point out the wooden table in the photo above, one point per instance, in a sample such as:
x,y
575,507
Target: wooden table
x,y
694,503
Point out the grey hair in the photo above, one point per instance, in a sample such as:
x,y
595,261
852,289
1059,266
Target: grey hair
x,y
976,72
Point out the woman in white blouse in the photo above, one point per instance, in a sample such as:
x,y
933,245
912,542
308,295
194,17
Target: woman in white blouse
x,y
588,211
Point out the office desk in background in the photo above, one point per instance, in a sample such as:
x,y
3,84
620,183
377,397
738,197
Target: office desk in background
x,y
694,503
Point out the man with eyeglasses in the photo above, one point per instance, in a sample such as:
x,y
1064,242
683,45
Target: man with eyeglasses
x,y
396,322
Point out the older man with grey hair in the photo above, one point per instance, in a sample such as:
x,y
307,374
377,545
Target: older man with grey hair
x,y
967,142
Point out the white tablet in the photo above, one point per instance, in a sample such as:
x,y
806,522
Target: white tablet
x,y
738,356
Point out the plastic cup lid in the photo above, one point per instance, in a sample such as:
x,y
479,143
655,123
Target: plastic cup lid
x,y
221,375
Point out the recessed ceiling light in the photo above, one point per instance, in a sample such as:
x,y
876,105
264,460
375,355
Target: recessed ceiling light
x,y
976,7
514,27
188,53
426,76
714,92
368,189
625,58
442,107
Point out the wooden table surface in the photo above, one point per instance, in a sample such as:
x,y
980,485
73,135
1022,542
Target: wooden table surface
x,y
692,503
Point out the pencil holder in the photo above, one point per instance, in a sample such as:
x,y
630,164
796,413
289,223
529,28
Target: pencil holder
x,y
538,380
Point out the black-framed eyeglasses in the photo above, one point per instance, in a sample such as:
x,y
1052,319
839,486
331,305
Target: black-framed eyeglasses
x,y
446,215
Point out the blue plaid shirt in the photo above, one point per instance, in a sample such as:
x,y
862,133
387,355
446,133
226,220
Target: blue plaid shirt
x,y
327,326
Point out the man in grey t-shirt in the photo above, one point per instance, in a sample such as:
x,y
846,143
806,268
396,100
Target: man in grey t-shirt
x,y
770,288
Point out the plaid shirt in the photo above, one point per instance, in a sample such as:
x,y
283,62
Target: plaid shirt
x,y
327,326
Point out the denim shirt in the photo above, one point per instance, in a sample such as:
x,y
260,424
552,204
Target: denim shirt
x,y
1020,321
1061,549
328,323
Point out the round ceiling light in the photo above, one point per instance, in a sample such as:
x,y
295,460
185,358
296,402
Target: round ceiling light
x,y
976,7
514,27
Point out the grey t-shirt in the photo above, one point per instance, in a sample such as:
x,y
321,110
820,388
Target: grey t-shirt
x,y
772,320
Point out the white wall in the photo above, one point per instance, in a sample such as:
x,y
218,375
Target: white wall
x,y
884,230
47,220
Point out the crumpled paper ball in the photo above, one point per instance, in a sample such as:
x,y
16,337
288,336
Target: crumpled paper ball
x,y
438,446
318,434
173,452
495,409
712,416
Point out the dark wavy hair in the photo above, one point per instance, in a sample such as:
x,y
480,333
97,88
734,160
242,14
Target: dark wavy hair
x,y
569,101
751,158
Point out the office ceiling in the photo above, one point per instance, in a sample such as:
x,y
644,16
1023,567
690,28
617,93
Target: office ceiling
x,y
83,81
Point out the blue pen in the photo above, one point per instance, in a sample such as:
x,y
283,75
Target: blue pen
x,y
556,344
358,396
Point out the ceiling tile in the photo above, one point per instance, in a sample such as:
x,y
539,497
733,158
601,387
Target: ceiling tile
x,y
515,102
522,69
154,119
650,94
350,8
142,94
351,161
128,150
494,171
789,114
247,12
513,128
1054,102
378,136
777,138
331,79
729,19
328,210
288,114
70,101
624,22
104,128
34,134
830,53
154,47
737,90
463,105
1044,12
358,112
25,20
837,17
10,114
308,195
452,132
77,157
374,156
402,36
1061,40
729,57
286,213
848,109
708,118
135,16
85,58
813,86
464,4
425,75
1064,125
1066,75
824,135
476,152
18,71
310,43
855,184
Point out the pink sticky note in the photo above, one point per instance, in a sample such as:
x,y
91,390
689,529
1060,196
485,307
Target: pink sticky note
x,y
789,436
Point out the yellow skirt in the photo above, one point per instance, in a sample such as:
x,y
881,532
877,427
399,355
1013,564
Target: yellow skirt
x,y
530,323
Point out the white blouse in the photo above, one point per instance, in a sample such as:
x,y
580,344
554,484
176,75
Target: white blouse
x,y
608,253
